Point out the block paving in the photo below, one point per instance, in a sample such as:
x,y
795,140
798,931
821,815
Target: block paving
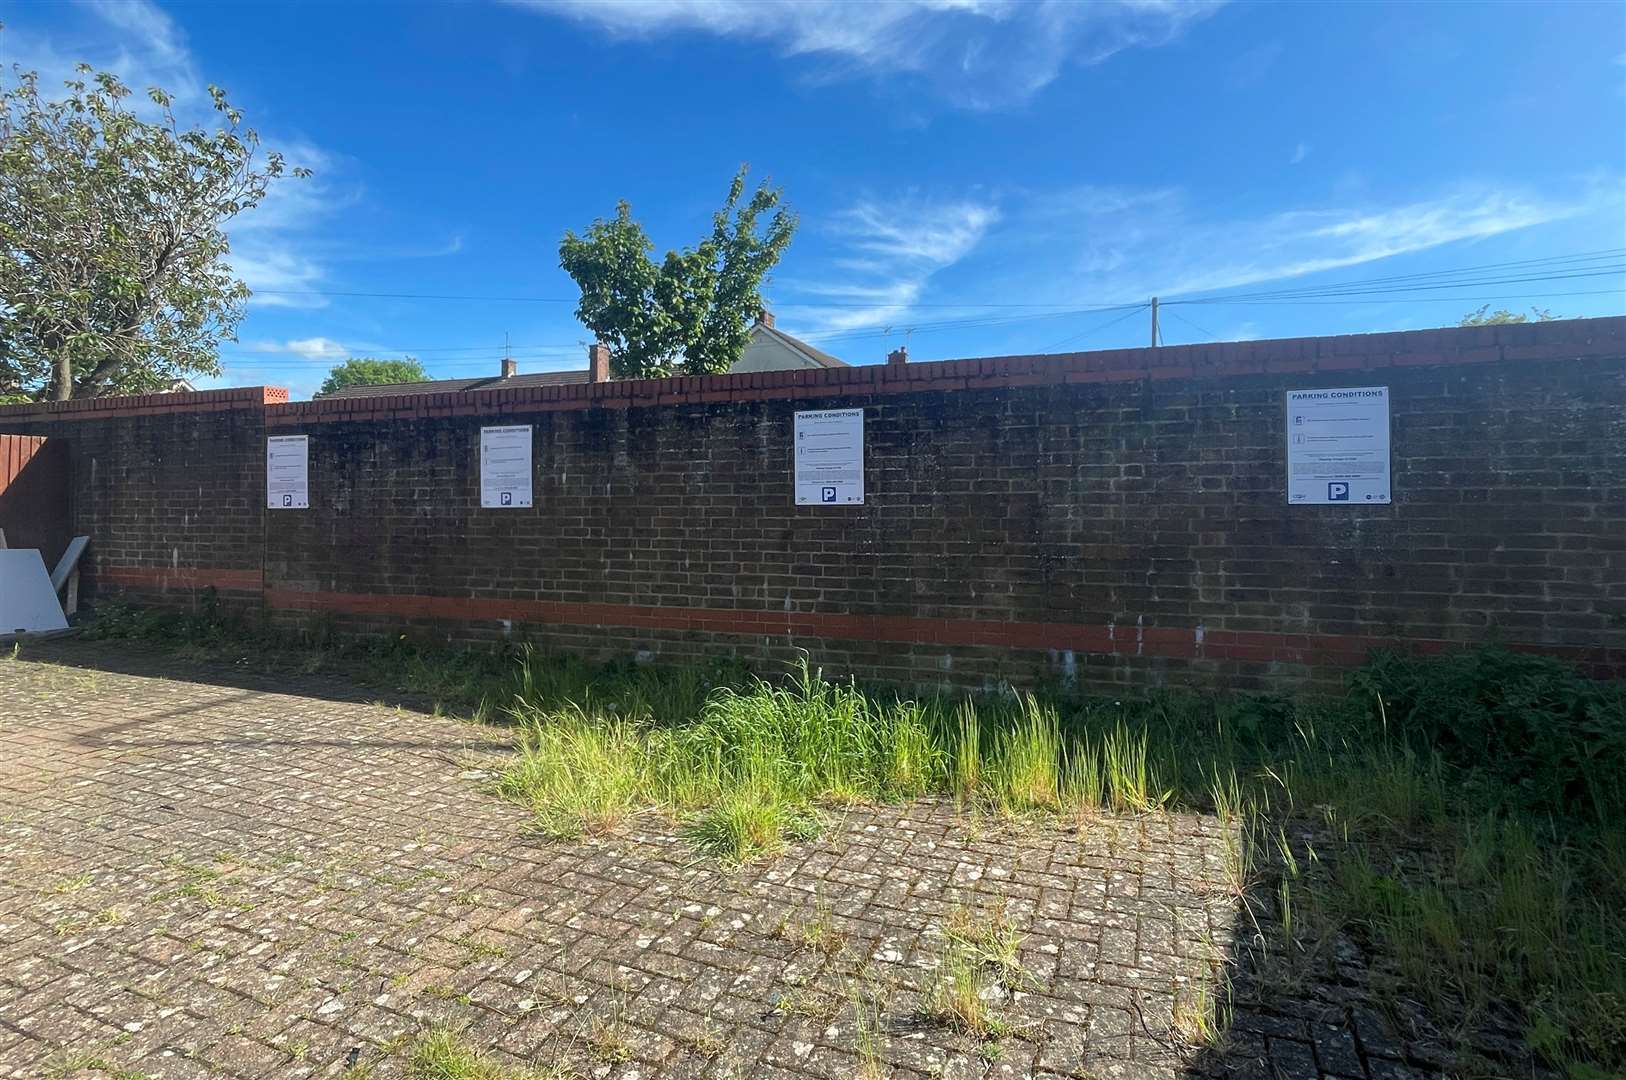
x,y
207,872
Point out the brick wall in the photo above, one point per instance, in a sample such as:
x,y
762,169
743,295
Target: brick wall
x,y
1118,516
170,488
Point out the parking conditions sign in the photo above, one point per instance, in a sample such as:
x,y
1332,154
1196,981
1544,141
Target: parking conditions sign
x,y
1338,445
505,466
830,457
287,472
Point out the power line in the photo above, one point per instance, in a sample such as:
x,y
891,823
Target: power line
x,y
472,366
1433,284
1133,311
955,324
416,296
1424,299
573,300
1207,333
548,352
491,358
1393,285
1609,272
1129,310
1402,288
1576,258
494,350
492,298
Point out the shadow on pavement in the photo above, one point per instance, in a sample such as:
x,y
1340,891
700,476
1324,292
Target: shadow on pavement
x,y
140,661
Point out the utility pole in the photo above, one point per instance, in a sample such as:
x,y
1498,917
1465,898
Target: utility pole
x,y
1154,322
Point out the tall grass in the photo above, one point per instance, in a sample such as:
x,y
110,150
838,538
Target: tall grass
x,y
748,762
1478,886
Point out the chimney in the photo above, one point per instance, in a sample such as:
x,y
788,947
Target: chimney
x,y
765,318
510,367
598,363
900,355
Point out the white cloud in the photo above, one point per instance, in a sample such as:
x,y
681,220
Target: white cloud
x,y
980,54
311,348
888,252
1300,152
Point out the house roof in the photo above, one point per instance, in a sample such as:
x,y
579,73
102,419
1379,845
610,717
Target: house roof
x,y
814,358
818,357
446,386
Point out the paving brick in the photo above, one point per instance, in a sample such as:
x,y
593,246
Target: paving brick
x,y
212,873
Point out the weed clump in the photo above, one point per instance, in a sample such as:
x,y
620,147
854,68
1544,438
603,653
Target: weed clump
x,y
1523,856
1526,732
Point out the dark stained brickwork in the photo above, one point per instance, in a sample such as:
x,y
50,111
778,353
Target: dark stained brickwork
x,y
169,488
1112,516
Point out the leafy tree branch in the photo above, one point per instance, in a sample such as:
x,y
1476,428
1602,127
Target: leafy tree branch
x,y
114,276
691,314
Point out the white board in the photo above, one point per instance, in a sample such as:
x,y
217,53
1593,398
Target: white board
x,y
1338,445
27,601
287,472
830,457
505,466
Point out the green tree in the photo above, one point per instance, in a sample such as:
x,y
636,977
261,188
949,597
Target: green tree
x,y
365,371
113,270
692,313
1486,317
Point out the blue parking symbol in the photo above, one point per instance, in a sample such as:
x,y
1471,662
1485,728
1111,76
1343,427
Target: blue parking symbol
x,y
827,494
1337,491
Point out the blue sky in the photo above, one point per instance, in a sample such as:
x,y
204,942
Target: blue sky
x,y
973,177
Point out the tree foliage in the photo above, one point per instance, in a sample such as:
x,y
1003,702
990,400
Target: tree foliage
x,y
366,371
1486,317
691,314
113,263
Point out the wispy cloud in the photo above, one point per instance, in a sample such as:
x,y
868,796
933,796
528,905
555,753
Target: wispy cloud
x,y
1300,152
148,29
1126,245
1100,246
141,45
311,348
1252,67
887,252
1300,242
980,54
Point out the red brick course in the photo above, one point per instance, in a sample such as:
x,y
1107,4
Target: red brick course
x,y
1335,650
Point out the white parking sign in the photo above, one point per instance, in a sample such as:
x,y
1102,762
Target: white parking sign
x,y
830,457
505,466
1338,445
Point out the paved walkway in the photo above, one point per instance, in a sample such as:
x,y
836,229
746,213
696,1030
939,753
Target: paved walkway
x,y
207,874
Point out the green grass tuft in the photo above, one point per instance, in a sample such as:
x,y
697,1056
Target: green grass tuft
x,y
442,1054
